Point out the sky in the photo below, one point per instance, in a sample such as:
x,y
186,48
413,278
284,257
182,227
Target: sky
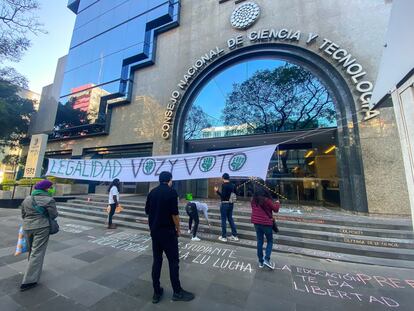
x,y
39,62
217,89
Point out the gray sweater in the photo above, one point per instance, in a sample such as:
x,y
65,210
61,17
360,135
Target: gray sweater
x,y
31,218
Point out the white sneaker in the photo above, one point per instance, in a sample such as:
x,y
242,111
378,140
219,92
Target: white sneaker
x,y
196,239
260,265
189,231
234,238
222,239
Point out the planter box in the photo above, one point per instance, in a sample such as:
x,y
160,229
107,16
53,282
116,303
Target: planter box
x,y
9,203
101,189
21,192
5,194
66,189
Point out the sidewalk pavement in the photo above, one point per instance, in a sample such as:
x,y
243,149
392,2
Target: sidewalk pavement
x,y
88,267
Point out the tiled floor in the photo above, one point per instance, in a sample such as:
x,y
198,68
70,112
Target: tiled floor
x,y
82,271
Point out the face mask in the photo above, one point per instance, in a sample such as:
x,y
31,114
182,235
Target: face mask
x,y
51,191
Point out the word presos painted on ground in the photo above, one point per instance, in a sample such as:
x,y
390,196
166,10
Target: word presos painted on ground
x,y
136,243
216,257
351,287
243,162
336,53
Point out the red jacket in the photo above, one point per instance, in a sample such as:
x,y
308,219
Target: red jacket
x,y
259,217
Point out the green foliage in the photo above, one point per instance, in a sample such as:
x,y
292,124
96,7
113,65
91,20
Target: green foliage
x,y
57,180
67,116
15,114
28,181
283,99
17,20
8,182
196,121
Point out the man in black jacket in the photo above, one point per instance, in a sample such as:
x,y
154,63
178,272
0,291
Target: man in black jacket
x,y
226,208
164,222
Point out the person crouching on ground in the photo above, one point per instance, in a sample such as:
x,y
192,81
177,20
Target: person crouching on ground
x,y
262,218
113,201
193,208
162,210
226,208
36,227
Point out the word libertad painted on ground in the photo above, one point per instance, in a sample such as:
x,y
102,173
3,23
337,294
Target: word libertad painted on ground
x,y
327,47
351,287
243,162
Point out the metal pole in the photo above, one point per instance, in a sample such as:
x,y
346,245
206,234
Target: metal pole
x,y
297,193
14,190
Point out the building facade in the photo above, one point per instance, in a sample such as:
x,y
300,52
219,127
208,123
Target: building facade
x,y
157,77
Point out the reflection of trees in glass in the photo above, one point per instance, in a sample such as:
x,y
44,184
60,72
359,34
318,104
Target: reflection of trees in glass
x,y
285,98
67,116
196,121
92,114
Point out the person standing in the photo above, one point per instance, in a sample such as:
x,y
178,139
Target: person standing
x,y
113,201
226,208
262,218
164,223
36,210
193,208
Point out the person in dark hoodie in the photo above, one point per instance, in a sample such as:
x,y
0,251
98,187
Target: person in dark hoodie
x,y
164,222
226,208
36,226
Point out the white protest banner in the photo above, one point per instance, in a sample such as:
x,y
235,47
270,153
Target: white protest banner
x,y
243,162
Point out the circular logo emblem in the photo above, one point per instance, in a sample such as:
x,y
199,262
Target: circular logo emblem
x,y
207,163
245,15
237,161
149,166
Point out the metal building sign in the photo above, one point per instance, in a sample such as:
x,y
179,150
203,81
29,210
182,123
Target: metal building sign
x,y
245,15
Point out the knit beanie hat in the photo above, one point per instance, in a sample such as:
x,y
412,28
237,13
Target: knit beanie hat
x,y
43,185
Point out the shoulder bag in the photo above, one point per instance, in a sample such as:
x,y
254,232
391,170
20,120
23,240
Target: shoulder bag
x,y
233,198
53,224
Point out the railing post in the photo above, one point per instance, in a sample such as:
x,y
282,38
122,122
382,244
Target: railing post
x,y
14,190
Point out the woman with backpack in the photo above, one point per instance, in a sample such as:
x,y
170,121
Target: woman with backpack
x,y
262,218
37,208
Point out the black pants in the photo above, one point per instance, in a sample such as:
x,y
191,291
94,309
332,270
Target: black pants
x,y
165,241
192,212
111,213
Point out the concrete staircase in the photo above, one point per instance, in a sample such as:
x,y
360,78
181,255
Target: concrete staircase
x,y
333,236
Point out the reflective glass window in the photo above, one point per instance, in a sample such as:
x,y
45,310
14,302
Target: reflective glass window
x,y
108,35
260,96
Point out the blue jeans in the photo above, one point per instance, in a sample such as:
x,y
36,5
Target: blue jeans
x,y
226,211
262,230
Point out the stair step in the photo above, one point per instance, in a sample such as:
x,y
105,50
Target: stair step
x,y
277,247
323,241
317,219
289,225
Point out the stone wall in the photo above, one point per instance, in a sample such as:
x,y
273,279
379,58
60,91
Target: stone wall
x,y
358,26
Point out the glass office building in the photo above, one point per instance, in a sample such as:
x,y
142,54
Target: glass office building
x,y
154,77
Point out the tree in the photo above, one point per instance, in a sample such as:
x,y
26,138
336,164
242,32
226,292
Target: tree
x,y
10,75
17,21
285,98
15,114
195,122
